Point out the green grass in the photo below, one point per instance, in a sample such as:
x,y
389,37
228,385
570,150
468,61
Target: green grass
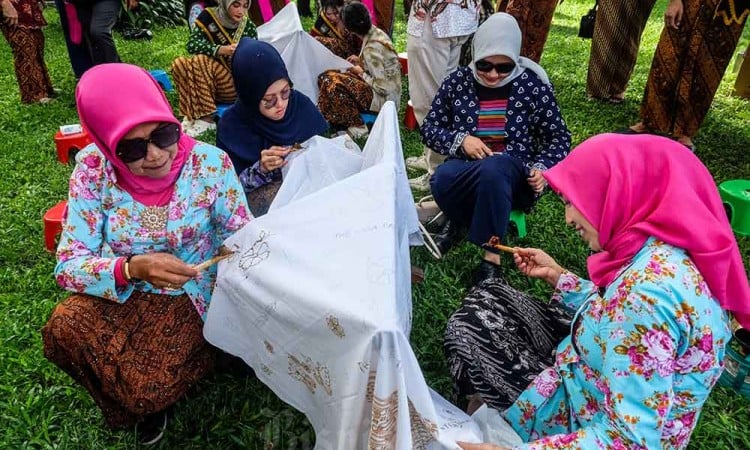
x,y
40,407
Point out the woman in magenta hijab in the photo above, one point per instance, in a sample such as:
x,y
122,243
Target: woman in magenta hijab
x,y
648,331
146,204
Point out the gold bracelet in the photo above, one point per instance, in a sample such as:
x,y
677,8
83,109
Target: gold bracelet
x,y
126,268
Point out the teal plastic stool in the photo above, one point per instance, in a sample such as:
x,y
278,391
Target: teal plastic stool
x,y
162,78
518,218
736,197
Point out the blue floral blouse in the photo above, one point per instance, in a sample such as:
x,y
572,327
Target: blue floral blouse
x,y
639,365
536,131
103,222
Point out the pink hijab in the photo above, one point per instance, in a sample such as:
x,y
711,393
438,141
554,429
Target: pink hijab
x,y
114,98
633,187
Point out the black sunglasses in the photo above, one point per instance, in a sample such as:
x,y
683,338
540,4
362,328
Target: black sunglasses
x,y
271,102
501,68
131,150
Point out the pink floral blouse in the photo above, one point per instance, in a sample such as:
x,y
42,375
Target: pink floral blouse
x,y
103,222
639,365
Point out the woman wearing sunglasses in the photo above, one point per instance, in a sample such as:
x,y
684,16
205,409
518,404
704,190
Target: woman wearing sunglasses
x,y
269,116
146,203
649,329
499,124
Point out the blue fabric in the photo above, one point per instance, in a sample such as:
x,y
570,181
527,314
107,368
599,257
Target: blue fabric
x,y
481,193
537,134
243,131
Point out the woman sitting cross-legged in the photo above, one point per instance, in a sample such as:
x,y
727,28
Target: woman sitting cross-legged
x,y
499,124
146,203
205,79
374,79
648,332
269,116
330,31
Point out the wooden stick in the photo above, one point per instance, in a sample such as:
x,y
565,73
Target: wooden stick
x,y
206,264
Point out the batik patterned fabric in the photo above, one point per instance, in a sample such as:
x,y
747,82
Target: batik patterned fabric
x,y
687,68
447,18
614,48
103,222
536,131
640,362
134,358
534,18
382,68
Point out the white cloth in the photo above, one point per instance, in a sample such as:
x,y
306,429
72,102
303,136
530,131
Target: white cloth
x,y
495,428
304,56
317,299
501,35
453,21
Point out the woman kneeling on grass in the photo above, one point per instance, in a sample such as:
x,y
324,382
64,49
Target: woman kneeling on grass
x,y
648,331
146,203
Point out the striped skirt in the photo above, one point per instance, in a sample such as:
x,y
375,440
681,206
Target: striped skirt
x,y
500,340
534,18
201,83
687,69
614,48
28,59
342,97
134,358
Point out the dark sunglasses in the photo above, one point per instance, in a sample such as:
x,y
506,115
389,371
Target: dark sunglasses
x,y
131,150
284,94
501,68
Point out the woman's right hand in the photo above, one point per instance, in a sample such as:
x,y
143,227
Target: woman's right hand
x,y
9,13
537,264
474,148
673,14
227,50
163,270
273,158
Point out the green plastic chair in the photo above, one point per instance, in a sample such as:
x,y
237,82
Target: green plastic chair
x,y
518,218
736,197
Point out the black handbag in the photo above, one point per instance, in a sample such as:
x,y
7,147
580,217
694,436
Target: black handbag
x,y
586,30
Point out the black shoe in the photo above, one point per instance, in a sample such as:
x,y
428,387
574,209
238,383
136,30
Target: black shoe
x,y
448,236
485,271
151,429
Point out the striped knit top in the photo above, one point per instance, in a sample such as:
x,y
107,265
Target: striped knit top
x,y
493,106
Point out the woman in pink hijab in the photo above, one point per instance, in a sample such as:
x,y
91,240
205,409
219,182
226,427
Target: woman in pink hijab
x,y
146,204
648,331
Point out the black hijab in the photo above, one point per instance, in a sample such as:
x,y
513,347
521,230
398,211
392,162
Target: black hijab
x,y
243,131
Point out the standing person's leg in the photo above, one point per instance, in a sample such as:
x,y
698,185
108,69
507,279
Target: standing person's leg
x,y
103,18
431,59
80,58
614,47
39,71
534,18
33,81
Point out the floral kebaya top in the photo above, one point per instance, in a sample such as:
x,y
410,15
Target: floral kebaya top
x,y
103,222
640,362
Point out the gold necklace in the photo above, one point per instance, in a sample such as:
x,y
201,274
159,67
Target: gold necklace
x,y
154,218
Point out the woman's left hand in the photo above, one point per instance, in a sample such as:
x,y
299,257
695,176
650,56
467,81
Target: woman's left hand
x,y
354,59
469,446
536,180
132,4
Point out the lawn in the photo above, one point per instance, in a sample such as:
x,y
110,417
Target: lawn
x,y
40,407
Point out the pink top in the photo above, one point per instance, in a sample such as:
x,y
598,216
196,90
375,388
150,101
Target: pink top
x,y
631,187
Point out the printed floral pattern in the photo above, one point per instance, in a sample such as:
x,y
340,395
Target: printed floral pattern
x,y
536,132
103,223
639,365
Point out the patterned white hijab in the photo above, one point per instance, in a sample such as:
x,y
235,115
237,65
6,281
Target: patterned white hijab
x,y
500,35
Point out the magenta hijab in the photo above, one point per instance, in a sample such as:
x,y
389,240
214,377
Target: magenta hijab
x,y
632,187
114,98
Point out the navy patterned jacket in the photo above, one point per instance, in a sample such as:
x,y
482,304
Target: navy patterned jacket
x,y
536,131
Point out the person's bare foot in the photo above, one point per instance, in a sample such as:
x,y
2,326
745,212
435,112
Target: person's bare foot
x,y
209,118
475,402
